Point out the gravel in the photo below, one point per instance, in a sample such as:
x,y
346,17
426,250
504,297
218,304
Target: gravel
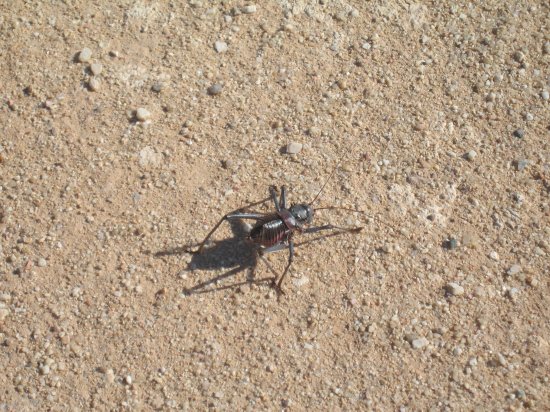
x,y
42,263
471,155
514,270
215,89
85,55
220,46
250,9
454,289
521,164
519,133
419,343
142,114
96,69
94,84
294,148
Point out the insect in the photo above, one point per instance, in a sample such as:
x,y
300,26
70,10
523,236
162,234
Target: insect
x,y
275,231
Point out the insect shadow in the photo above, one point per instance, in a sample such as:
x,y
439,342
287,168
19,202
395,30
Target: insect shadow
x,y
234,253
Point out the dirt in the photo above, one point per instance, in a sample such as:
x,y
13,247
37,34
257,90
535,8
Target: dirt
x,y
430,123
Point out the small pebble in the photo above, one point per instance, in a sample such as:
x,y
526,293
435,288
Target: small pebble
x,y
529,117
128,379
142,114
454,289
519,56
157,87
294,148
470,155
109,375
512,293
494,255
96,69
94,84
419,343
452,243
342,84
545,95
85,55
546,48
215,89
44,369
514,270
249,9
42,262
519,133
521,164
220,46
4,312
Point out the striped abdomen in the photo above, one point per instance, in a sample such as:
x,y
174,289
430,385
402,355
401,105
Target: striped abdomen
x,y
270,232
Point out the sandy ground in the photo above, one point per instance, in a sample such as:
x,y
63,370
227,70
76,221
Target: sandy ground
x,y
439,115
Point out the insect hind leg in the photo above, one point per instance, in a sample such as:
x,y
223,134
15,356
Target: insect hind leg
x,y
229,216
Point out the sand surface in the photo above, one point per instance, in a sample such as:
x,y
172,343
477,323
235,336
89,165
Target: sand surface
x,y
129,128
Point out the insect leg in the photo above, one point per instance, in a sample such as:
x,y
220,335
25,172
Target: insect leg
x,y
316,229
273,193
340,230
290,259
283,197
229,216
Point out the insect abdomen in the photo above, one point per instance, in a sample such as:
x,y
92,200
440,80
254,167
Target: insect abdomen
x,y
269,233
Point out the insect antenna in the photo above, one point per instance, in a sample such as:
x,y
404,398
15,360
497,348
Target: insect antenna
x,y
328,179
358,211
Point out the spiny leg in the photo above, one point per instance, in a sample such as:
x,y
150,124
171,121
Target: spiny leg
x,y
290,259
316,229
341,230
276,248
283,197
229,216
273,193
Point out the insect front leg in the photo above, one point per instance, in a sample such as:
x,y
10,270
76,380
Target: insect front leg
x,y
273,193
283,197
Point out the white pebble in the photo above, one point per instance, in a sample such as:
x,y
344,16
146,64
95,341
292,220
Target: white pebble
x,y
96,69
220,46
514,270
494,255
454,289
249,9
94,84
419,343
471,155
294,148
42,262
149,157
142,114
128,379
545,95
85,55
301,281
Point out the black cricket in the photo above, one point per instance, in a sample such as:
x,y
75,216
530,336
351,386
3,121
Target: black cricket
x,y
275,231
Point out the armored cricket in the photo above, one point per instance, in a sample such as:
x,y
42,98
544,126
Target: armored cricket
x,y
275,231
